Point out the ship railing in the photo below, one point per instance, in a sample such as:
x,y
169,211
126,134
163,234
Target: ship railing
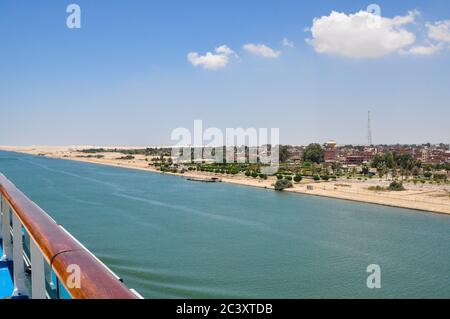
x,y
47,261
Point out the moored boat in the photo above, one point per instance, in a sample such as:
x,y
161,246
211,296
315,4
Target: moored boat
x,y
205,180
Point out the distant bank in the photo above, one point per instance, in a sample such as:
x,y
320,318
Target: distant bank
x,y
431,198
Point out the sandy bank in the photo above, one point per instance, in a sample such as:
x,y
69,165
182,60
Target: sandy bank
x,y
431,198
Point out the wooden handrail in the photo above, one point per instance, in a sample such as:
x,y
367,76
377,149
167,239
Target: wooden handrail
x,y
61,250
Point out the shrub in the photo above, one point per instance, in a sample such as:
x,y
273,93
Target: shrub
x,y
128,157
440,177
396,186
325,177
297,178
316,178
377,188
247,173
289,177
279,176
254,174
263,176
282,184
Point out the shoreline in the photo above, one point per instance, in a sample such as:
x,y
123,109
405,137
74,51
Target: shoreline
x,y
414,199
289,190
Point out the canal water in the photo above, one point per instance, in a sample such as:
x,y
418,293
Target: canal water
x,y
171,238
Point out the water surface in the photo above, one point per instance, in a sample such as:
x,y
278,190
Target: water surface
x,y
167,237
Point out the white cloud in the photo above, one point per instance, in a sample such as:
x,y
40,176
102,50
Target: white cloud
x,y
212,61
361,35
439,31
287,43
225,50
262,50
424,49
409,18
209,61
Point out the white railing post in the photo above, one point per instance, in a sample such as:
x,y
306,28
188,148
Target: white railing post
x,y
37,272
18,262
6,231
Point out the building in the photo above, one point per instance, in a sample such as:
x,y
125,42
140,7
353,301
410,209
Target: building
x,y
330,154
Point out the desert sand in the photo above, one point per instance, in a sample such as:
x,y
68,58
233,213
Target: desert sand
x,y
425,197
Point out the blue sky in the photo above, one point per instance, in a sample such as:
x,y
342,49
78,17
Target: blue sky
x,y
124,78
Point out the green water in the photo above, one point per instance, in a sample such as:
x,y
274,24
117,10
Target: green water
x,y
167,237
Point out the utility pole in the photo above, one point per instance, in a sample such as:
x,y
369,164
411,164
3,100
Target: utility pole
x,y
369,130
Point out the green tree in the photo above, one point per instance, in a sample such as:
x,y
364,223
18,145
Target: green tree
x,y
314,153
284,153
377,162
389,160
405,162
